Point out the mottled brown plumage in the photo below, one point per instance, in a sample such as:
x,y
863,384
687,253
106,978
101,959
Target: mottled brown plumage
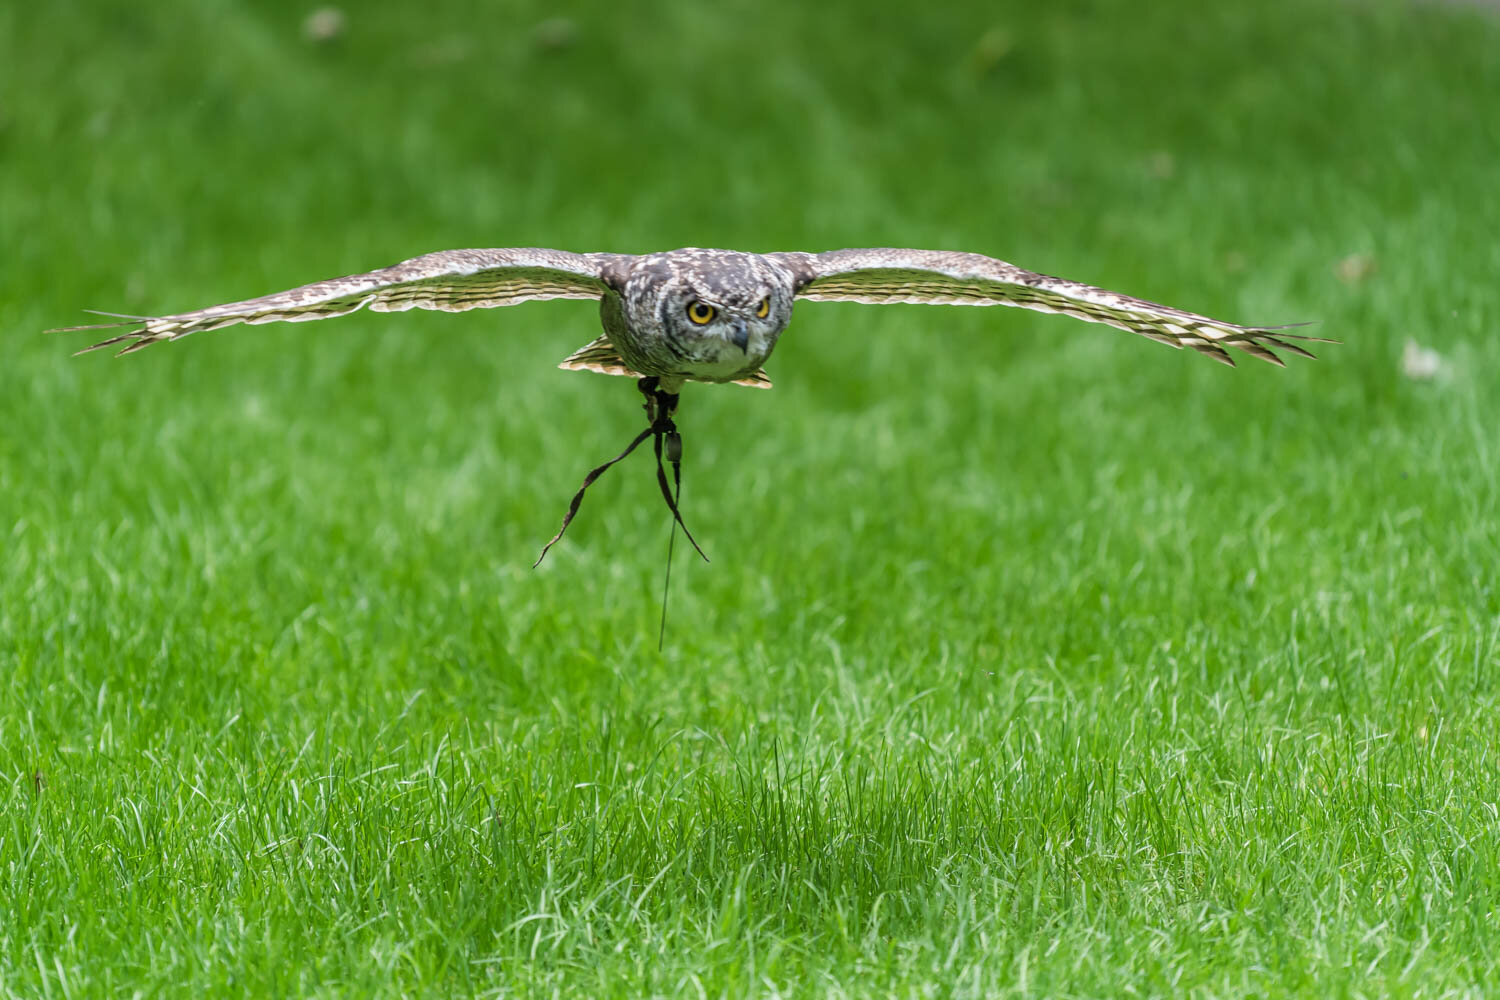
x,y
644,302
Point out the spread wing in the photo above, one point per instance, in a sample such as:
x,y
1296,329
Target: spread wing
x,y
451,280
941,277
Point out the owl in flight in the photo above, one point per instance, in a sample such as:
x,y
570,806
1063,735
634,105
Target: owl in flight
x,y
704,315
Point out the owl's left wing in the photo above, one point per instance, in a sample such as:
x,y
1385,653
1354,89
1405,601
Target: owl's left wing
x,y
941,277
449,280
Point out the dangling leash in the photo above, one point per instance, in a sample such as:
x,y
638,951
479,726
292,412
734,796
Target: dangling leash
x,y
659,408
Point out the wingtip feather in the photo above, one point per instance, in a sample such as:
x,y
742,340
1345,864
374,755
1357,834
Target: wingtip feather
x,y
138,345
1294,336
86,326
1267,355
120,316
107,343
1295,349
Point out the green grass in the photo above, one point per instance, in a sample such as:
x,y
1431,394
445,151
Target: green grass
x,y
1034,658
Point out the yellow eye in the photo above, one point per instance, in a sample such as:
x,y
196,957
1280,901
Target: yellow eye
x,y
701,312
764,309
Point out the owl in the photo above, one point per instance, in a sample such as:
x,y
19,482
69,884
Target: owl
x,y
704,315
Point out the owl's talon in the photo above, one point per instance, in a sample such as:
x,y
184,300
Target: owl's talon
x,y
648,389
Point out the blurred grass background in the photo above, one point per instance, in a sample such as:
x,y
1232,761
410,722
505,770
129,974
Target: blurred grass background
x,y
1034,658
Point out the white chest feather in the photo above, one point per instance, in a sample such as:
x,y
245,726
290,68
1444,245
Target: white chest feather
x,y
716,359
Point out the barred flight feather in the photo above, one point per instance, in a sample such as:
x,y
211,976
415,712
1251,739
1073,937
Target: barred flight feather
x,y
951,278
449,281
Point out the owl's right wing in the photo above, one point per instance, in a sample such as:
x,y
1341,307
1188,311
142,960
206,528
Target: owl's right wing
x,y
450,280
942,277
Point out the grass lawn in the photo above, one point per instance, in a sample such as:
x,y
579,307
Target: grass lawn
x,y
1034,658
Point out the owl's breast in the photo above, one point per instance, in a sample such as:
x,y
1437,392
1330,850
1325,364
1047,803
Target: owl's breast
x,y
714,359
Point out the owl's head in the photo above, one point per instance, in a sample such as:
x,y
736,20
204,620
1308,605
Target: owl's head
x,y
702,296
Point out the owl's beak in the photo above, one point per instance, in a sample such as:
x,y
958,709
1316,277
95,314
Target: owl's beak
x,y
741,336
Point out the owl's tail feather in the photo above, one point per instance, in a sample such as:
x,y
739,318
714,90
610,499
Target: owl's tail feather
x,y
599,355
